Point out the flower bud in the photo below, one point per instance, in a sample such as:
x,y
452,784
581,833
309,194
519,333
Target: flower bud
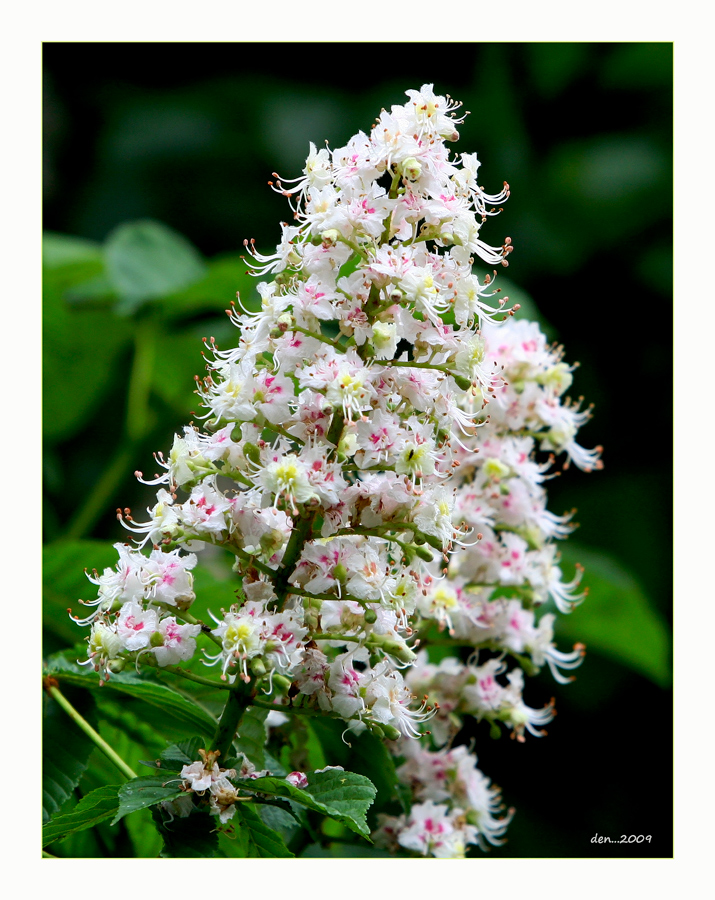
x,y
495,468
396,295
370,616
411,168
330,237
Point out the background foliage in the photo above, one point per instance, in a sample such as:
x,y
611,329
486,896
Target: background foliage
x,y
156,163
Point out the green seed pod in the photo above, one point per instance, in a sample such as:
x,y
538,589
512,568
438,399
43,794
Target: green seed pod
x,y
257,666
423,553
391,733
463,383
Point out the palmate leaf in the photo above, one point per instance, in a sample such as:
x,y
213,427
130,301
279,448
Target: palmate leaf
x,y
144,687
343,796
95,807
145,791
177,756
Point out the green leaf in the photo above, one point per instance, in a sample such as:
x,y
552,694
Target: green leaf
x,y
94,290
144,834
280,820
144,687
350,266
175,757
253,837
146,260
251,737
179,755
343,796
65,750
63,249
120,713
223,278
367,755
616,619
144,791
75,338
95,807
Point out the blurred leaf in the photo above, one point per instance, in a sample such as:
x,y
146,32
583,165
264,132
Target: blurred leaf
x,y
95,290
65,750
608,170
144,834
95,807
146,260
81,351
178,361
616,619
63,249
215,587
64,582
224,276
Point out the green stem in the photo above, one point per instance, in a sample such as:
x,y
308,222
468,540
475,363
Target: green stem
x,y
318,337
278,430
183,673
237,703
251,560
90,732
186,616
335,637
296,710
344,596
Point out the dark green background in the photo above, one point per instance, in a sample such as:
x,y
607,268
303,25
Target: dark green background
x,y
189,134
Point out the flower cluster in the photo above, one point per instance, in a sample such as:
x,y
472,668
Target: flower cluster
x,y
370,460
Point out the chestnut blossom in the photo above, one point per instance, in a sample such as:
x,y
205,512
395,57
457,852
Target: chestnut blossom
x,y
374,455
